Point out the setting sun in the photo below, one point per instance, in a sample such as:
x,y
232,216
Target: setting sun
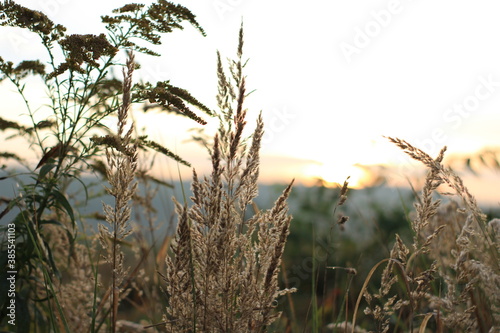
x,y
335,173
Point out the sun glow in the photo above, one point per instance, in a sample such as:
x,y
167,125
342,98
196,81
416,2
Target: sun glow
x,y
334,174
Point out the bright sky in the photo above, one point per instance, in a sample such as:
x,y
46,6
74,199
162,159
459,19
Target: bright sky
x,y
331,77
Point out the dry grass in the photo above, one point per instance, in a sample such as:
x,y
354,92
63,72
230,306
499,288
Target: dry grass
x,y
221,270
451,271
222,273
122,164
75,289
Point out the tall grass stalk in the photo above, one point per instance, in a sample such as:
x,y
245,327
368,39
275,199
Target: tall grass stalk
x,y
450,271
122,165
222,272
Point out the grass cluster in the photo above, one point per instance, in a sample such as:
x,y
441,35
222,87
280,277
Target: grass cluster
x,y
221,270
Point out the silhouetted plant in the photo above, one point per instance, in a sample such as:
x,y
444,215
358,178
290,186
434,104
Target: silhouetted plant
x,y
68,133
222,272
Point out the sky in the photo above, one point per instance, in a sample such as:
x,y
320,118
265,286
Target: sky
x,y
332,78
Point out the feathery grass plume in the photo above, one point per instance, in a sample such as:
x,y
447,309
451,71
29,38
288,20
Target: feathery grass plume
x,y
470,297
76,289
66,293
390,304
122,164
417,274
222,272
465,251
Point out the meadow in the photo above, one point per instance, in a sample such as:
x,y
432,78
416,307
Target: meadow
x,y
219,261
